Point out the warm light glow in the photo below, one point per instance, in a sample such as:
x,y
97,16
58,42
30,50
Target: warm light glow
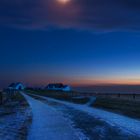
x,y
63,1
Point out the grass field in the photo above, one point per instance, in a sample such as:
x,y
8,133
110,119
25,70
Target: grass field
x,y
66,96
15,117
20,99
125,107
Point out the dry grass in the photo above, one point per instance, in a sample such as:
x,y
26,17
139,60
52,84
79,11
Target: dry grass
x,y
125,107
66,96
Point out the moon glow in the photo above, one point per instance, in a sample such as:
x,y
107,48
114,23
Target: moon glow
x,y
63,1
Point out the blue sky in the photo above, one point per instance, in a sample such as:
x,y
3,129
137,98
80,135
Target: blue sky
x,y
70,56
81,42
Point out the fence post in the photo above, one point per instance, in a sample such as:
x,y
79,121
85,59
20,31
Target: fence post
x,y
119,95
134,96
1,98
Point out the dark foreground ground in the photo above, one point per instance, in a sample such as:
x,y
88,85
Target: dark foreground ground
x,y
15,118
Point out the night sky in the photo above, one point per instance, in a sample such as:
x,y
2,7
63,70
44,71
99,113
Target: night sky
x,y
77,42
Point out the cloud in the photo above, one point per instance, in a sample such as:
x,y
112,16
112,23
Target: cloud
x,y
80,14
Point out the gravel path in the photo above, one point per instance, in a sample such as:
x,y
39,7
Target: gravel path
x,y
48,124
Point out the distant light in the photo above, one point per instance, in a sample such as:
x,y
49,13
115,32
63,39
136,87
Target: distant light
x,y
63,1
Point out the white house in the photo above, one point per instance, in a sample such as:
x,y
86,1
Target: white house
x,y
58,86
16,86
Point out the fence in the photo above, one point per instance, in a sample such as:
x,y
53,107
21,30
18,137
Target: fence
x,y
132,96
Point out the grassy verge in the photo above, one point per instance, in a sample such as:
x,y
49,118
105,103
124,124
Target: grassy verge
x,y
125,107
15,107
20,99
14,103
65,96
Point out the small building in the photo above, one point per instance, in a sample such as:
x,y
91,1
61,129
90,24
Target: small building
x,y
58,86
16,86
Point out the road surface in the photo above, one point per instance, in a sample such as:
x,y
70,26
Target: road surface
x,y
48,124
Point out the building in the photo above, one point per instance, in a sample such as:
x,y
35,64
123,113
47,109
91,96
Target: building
x,y
58,86
16,86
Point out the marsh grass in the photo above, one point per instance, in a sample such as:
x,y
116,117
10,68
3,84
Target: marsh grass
x,y
126,107
65,96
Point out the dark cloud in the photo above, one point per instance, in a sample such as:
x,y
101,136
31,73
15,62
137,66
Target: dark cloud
x,y
82,14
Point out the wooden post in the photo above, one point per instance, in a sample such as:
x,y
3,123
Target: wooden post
x,y
134,96
1,98
119,95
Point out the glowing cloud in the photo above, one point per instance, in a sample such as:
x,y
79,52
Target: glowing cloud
x,y
63,1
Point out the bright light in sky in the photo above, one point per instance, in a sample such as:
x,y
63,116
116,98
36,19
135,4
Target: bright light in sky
x,y
63,1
